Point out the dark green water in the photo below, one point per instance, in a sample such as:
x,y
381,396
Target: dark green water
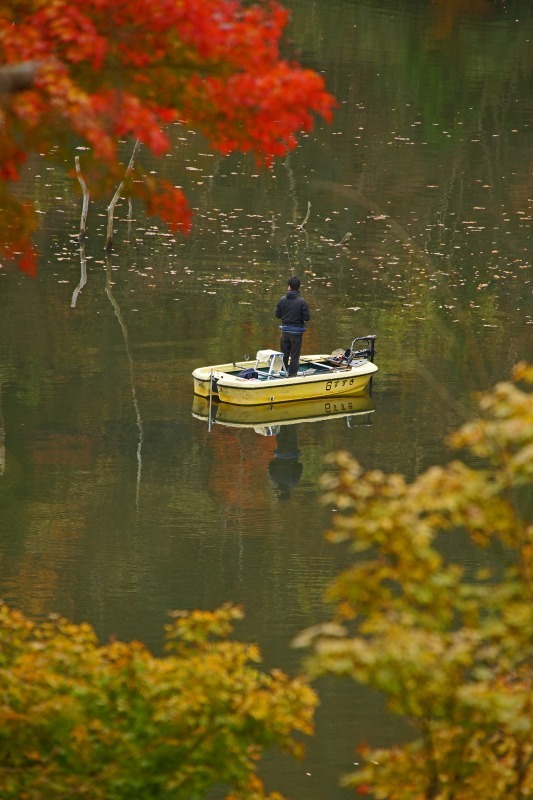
x,y
116,503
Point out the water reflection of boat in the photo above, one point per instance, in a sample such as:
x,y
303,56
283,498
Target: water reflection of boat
x,y
265,380
281,420
266,418
285,469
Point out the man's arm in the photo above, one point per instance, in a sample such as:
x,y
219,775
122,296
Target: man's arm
x,y
278,310
306,315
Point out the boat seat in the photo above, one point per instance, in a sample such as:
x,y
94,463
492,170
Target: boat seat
x,y
273,360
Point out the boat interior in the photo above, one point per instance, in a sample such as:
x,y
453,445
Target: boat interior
x,y
269,363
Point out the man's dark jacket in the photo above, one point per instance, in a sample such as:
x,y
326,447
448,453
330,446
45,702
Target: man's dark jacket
x,y
292,310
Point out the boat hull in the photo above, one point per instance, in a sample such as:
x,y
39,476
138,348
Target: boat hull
x,y
202,377
230,388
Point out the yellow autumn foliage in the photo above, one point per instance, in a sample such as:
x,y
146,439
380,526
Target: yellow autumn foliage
x,y
113,722
451,651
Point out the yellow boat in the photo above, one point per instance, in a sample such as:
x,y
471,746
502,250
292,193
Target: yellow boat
x,y
277,414
264,381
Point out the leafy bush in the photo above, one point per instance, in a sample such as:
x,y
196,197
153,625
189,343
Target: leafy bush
x,y
112,721
452,652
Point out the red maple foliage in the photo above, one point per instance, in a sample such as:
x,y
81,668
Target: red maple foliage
x,y
104,70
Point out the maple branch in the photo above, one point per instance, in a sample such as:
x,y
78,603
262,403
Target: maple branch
x,y
18,77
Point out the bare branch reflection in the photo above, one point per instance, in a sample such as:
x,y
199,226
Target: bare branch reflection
x,y
85,207
2,438
138,419
83,277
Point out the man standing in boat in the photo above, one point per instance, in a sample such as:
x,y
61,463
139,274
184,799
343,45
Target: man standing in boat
x,y
293,312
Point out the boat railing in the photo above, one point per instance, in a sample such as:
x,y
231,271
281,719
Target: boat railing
x,y
369,351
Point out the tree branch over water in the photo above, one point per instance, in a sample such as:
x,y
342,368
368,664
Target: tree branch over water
x,y
18,77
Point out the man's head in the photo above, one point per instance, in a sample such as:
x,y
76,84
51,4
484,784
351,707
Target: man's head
x,y
293,283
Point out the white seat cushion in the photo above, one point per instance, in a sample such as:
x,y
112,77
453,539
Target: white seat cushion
x,y
264,356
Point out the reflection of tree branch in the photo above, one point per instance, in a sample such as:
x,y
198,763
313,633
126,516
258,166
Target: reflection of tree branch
x,y
439,389
2,438
301,225
17,77
292,192
292,187
370,205
112,204
118,314
83,277
130,217
85,206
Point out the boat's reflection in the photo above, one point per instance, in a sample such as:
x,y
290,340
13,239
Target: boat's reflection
x,y
267,419
282,421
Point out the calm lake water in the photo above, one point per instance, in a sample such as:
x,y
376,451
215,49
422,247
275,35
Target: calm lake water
x,y
118,501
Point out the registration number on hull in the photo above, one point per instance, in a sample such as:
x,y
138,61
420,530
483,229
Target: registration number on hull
x,y
341,383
